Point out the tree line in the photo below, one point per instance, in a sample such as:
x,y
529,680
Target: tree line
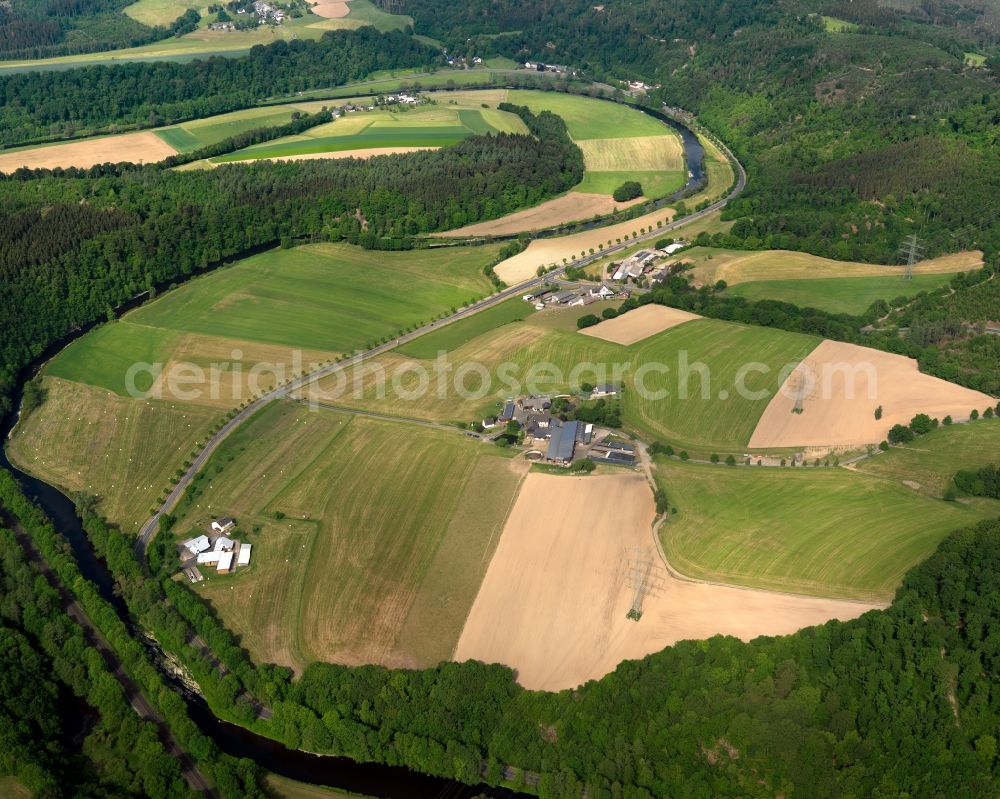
x,y
42,106
43,28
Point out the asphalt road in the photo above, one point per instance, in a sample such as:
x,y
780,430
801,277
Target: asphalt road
x,y
150,528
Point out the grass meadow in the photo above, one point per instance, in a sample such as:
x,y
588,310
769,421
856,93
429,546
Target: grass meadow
x,y
827,531
426,126
370,537
123,451
931,461
465,330
851,295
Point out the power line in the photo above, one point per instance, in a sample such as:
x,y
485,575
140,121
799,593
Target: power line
x,y
912,251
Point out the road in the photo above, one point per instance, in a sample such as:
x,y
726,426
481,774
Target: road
x,y
150,528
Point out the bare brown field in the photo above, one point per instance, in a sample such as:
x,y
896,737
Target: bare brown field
x,y
551,252
553,603
331,9
144,146
850,382
742,267
639,153
639,323
576,206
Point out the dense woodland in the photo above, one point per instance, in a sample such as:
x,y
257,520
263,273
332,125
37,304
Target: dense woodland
x,y
61,103
80,242
851,140
42,28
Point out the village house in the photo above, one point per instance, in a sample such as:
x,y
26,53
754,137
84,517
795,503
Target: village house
x,y
198,545
604,390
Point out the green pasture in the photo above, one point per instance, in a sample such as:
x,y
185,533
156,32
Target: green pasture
x,y
852,295
329,297
461,332
713,415
655,184
588,118
372,137
210,130
931,460
825,531
834,25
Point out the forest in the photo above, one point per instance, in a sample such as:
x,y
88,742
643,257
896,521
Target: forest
x,y
897,702
93,99
78,243
851,140
43,28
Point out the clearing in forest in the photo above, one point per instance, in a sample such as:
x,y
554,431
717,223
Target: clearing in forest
x,y
145,147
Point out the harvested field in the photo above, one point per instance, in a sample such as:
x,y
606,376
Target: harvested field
x,y
364,152
848,383
575,206
639,323
331,9
553,603
637,154
550,252
736,266
143,146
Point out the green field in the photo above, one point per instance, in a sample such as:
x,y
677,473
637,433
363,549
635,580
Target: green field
x,y
425,126
838,295
713,416
828,532
834,25
654,184
589,118
387,530
320,300
284,788
159,12
932,460
191,136
330,297
975,59
465,330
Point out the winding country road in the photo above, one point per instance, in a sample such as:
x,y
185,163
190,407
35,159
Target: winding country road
x,y
150,528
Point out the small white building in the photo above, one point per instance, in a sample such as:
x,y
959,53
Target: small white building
x,y
224,544
223,525
209,557
197,545
243,559
604,390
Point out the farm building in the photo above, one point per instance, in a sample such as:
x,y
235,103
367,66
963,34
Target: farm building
x,y
223,525
210,557
224,544
489,422
562,443
604,390
197,545
225,563
243,558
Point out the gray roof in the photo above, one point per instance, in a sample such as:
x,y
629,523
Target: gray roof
x,y
619,445
562,442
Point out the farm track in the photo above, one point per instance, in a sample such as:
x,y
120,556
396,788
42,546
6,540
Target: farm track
x,y
150,528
